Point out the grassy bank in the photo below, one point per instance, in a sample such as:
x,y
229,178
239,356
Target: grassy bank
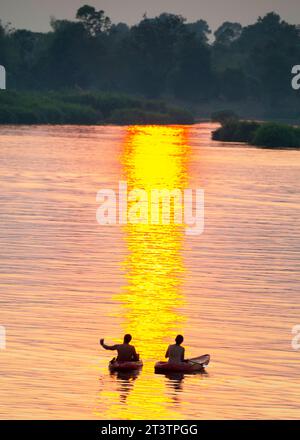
x,y
72,107
262,134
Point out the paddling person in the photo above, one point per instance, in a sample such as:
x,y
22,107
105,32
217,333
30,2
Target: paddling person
x,y
175,352
126,352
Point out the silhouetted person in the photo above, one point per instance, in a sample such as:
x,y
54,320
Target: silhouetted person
x,y
175,352
126,352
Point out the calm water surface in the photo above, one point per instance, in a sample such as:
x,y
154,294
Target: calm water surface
x,y
66,281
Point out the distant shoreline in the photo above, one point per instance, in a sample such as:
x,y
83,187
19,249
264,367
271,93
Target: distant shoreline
x,y
101,108
258,133
87,108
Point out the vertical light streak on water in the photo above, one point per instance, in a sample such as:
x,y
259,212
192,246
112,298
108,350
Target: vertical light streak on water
x,y
153,158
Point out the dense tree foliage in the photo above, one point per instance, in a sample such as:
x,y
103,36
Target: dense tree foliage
x,y
159,57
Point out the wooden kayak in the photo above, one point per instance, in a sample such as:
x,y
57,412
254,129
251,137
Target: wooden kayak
x,y
115,365
189,366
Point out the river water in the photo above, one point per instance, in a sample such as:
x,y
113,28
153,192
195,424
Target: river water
x,y
66,281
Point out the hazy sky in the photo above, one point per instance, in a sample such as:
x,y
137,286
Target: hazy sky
x,y
35,14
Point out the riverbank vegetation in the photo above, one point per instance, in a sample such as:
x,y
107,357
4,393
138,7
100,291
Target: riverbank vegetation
x,y
69,107
262,134
165,57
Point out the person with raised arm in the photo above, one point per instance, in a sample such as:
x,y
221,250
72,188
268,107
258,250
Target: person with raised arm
x,y
126,352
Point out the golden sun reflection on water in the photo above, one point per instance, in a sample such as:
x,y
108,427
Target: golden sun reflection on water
x,y
62,276
153,158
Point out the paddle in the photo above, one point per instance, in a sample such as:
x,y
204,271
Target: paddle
x,y
200,360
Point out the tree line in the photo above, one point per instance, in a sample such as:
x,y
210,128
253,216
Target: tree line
x,y
161,57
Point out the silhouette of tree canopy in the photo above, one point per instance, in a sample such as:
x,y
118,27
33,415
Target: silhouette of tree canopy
x,y
227,33
95,22
162,56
